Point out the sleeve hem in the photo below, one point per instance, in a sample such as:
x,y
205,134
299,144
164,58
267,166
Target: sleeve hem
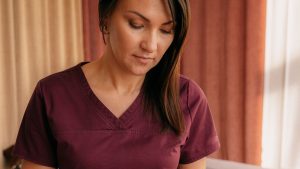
x,y
39,162
198,156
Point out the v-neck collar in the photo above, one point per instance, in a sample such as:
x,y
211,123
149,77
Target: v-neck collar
x,y
124,121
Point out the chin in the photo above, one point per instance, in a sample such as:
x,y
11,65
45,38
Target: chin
x,y
140,72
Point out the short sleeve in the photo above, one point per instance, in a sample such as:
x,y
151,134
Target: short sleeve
x,y
202,138
35,141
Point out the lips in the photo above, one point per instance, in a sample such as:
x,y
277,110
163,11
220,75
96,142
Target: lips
x,y
143,59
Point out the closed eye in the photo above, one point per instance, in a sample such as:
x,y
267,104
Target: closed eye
x,y
135,25
167,31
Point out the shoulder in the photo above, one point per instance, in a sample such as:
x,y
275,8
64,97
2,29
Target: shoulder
x,y
190,89
61,79
191,95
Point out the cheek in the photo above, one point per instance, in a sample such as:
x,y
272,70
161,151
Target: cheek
x,y
122,40
164,45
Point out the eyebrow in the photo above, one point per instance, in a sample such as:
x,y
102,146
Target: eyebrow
x,y
147,20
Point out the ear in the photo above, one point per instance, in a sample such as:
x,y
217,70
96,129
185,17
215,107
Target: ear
x,y
105,31
106,26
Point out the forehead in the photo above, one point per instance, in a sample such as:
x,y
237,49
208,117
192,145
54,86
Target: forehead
x,y
152,9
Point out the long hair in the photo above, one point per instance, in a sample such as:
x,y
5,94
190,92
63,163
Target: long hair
x,y
161,84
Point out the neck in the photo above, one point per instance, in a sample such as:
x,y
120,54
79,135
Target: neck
x,y
117,80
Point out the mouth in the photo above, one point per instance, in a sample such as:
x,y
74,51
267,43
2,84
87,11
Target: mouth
x,y
143,59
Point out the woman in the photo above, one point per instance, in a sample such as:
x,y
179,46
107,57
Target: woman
x,y
130,109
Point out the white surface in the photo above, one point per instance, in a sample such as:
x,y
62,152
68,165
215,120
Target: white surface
x,y
224,164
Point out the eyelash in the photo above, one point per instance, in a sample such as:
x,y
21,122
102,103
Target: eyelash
x,y
135,26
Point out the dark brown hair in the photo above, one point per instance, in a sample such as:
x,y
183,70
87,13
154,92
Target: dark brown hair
x,y
161,85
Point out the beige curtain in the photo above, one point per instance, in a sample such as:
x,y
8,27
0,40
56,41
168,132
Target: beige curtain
x,y
37,38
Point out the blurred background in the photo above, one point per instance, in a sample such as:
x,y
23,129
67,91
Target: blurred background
x,y
245,55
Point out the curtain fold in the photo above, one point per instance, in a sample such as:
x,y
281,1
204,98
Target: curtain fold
x,y
37,38
93,43
225,55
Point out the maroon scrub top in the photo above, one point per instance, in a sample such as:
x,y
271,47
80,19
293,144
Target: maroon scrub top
x,y
66,126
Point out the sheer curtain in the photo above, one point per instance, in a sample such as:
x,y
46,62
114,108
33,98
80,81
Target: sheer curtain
x,y
38,37
281,139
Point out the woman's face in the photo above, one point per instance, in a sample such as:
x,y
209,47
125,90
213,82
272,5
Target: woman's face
x,y
140,32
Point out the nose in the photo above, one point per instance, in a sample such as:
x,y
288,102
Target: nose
x,y
150,42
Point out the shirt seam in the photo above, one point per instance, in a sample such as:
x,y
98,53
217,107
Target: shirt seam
x,y
189,110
